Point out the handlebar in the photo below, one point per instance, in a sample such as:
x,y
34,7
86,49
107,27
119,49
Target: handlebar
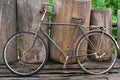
x,y
48,4
44,7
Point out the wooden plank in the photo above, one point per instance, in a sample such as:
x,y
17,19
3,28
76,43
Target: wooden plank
x,y
28,20
7,26
58,73
58,68
70,77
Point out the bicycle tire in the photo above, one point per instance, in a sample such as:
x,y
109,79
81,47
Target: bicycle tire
x,y
25,63
100,63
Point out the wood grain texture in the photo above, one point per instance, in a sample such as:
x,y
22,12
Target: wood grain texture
x,y
55,72
62,35
7,24
102,17
28,20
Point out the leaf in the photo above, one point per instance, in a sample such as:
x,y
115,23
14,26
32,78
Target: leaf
x,y
115,1
93,3
100,3
114,18
50,1
119,5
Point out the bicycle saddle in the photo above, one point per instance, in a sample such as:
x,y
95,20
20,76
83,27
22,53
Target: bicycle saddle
x,y
78,19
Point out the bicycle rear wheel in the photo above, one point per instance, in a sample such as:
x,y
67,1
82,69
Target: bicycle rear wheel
x,y
101,52
29,55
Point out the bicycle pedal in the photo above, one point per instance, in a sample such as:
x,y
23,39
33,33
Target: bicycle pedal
x,y
66,59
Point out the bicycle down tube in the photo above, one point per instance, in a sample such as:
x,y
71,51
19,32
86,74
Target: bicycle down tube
x,y
71,43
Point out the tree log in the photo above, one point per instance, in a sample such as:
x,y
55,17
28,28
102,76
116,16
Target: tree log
x,y
7,25
62,35
28,20
102,17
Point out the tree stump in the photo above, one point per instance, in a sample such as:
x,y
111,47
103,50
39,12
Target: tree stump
x,y
7,25
62,35
28,20
118,35
101,17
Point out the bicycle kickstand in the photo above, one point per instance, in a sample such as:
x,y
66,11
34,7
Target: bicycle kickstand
x,y
66,59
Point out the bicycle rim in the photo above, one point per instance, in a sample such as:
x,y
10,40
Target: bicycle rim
x,y
25,60
99,54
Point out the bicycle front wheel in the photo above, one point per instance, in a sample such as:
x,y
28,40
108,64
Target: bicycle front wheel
x,y
27,54
100,52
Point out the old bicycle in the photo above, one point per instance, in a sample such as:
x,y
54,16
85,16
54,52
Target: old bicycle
x,y
98,60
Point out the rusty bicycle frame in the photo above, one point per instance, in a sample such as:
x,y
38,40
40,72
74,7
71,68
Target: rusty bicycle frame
x,y
77,26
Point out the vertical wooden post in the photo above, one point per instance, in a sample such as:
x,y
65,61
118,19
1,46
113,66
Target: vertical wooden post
x,y
7,24
102,17
118,34
28,20
62,35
